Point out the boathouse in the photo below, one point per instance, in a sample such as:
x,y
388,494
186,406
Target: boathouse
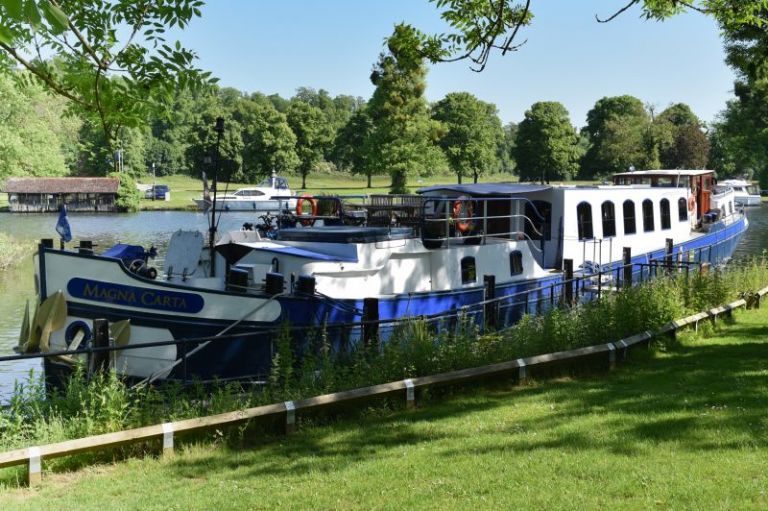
x,y
42,194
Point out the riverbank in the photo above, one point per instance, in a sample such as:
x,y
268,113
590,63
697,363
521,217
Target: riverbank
x,y
12,250
682,429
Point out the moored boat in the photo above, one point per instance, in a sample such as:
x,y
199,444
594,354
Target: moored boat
x,y
747,194
441,253
272,194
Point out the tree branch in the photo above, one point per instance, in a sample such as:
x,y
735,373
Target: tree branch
x,y
45,77
87,47
617,13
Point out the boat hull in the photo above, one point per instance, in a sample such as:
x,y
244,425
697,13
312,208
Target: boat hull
x,y
249,325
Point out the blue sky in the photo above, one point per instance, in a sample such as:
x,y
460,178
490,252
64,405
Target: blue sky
x,y
278,46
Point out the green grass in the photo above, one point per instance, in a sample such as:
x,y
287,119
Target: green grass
x,y
185,188
686,429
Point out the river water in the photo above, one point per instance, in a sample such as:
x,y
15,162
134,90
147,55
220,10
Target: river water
x,y
155,227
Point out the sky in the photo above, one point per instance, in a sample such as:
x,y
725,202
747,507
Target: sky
x,y
273,46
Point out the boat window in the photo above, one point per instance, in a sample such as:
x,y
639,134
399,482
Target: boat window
x,y
609,219
648,215
666,222
630,227
584,218
682,209
468,270
538,215
515,262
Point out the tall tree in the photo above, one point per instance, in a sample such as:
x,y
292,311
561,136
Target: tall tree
x,y
547,145
349,145
111,61
681,141
403,136
507,147
313,135
473,135
618,129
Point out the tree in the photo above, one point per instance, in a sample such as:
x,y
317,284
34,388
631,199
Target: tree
x,y
349,145
473,135
680,140
547,145
110,60
507,147
403,136
313,135
35,138
618,131
269,144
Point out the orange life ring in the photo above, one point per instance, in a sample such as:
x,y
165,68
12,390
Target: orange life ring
x,y
300,206
462,213
691,203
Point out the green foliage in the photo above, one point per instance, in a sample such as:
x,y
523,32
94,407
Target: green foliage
x,y
90,39
403,136
683,144
128,196
313,135
36,138
474,133
618,129
12,251
546,145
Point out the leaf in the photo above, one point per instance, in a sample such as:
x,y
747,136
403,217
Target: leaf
x,y
6,35
31,13
15,8
56,17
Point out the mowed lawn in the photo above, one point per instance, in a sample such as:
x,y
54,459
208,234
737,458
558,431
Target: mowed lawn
x,y
685,429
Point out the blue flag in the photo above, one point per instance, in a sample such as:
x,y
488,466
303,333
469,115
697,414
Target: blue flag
x,y
62,226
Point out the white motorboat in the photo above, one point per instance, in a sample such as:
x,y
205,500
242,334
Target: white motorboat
x,y
273,194
747,194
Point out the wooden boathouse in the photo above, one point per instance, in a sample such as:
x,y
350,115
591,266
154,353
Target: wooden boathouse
x,y
44,194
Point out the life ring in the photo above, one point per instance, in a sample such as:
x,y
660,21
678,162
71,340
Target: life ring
x,y
691,203
462,214
300,206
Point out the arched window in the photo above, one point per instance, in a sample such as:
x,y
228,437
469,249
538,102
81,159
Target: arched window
x,y
584,218
630,225
468,270
648,215
666,221
608,214
515,262
682,209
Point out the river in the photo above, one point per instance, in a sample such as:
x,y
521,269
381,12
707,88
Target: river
x,y
155,227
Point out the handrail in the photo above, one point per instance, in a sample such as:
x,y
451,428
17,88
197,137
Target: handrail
x,y
33,456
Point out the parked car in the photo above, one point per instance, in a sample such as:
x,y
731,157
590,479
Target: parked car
x,y
157,192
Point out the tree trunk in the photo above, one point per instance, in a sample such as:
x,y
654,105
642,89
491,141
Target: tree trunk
x,y
474,173
304,179
399,182
458,174
369,174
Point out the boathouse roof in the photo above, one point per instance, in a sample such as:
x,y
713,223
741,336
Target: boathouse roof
x,y
61,185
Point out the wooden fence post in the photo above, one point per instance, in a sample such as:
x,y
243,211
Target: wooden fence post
x,y
627,260
99,361
568,276
290,417
490,309
34,467
167,440
370,321
410,394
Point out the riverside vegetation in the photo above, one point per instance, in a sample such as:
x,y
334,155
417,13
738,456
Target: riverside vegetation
x,y
106,404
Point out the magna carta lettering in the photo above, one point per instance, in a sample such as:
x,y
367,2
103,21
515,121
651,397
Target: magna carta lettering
x,y
132,296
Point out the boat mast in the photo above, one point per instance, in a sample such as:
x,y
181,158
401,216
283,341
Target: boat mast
x,y
219,128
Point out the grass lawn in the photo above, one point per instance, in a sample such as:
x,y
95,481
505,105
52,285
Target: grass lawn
x,y
686,429
184,188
